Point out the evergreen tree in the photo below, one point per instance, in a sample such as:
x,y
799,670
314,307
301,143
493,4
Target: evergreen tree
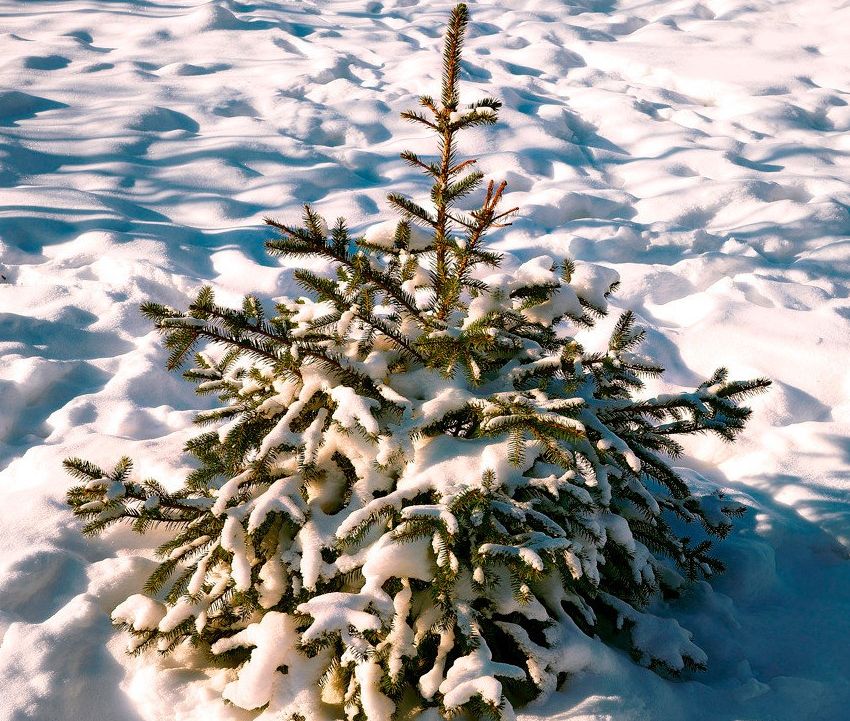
x,y
416,493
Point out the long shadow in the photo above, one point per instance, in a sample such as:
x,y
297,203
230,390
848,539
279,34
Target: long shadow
x,y
576,7
54,653
25,408
16,106
84,678
63,339
785,564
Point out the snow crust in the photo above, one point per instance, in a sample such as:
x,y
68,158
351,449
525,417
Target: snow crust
x,y
700,149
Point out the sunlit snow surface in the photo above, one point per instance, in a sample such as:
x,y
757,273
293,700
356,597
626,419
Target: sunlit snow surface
x,y
700,148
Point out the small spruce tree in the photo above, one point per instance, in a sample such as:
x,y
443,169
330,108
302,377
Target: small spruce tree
x,y
416,492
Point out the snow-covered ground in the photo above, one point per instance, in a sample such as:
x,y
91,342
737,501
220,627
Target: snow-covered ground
x,y
700,148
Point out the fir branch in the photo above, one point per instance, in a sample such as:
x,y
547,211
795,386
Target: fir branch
x,y
452,51
335,252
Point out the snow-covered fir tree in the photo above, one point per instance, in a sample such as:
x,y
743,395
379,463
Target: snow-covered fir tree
x,y
418,490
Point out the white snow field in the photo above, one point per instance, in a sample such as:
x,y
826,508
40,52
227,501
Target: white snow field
x,y
702,149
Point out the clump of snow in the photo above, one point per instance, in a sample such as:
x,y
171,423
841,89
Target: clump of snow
x,y
475,675
140,612
274,645
383,234
541,271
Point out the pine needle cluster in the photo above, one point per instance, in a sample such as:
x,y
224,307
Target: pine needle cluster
x,y
418,490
